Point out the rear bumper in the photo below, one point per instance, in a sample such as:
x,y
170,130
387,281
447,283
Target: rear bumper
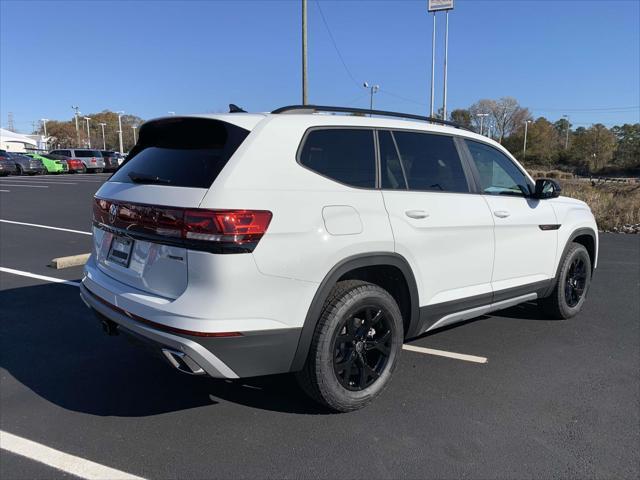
x,y
251,354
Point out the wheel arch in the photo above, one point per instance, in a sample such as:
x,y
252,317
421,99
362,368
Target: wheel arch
x,y
589,239
369,267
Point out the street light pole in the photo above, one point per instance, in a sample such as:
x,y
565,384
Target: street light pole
x,y
104,142
77,109
524,148
305,99
88,132
446,55
134,134
566,140
433,63
481,115
372,89
120,130
44,125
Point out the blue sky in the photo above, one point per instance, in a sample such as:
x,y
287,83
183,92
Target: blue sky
x,y
150,57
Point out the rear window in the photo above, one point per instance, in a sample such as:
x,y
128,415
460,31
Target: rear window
x,y
181,152
344,155
88,153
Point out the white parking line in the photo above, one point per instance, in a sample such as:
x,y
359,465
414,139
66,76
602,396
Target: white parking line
x,y
38,180
39,277
22,185
45,226
62,461
443,353
5,190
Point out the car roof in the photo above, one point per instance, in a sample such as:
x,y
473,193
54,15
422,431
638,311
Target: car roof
x,y
249,121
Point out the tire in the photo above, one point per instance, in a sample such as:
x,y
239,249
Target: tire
x,y
572,285
348,364
19,170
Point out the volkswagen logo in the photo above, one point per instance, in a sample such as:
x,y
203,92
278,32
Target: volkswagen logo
x,y
113,212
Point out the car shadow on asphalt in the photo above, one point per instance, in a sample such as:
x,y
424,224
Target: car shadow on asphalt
x,y
52,344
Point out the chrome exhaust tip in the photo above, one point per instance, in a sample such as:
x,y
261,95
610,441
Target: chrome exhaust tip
x,y
182,362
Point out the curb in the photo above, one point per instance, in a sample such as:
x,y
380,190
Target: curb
x,y
71,261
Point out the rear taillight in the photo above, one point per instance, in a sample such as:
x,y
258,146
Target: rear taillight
x,y
226,225
221,231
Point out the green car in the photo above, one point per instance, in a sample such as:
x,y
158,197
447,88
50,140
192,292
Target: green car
x,y
52,165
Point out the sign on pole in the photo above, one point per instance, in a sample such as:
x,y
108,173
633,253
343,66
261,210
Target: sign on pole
x,y
436,5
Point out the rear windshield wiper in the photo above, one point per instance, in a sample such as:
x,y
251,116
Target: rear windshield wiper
x,y
151,179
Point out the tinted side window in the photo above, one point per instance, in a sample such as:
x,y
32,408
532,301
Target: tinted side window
x,y
390,168
66,153
431,162
498,174
345,155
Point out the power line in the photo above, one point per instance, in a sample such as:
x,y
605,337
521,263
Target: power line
x,y
335,45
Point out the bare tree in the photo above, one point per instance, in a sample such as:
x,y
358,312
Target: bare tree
x,y
507,115
477,112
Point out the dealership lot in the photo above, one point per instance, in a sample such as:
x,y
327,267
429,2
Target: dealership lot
x,y
534,398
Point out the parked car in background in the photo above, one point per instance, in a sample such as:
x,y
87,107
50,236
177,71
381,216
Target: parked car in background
x,y
7,165
27,165
52,165
75,165
111,162
92,159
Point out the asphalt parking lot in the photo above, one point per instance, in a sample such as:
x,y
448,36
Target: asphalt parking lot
x,y
553,399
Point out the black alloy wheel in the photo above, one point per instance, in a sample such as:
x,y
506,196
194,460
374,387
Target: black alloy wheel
x,y
362,348
575,282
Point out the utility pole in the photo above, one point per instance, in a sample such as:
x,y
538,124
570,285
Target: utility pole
x,y
305,94
104,142
77,110
566,139
134,134
88,132
446,56
120,129
433,63
524,149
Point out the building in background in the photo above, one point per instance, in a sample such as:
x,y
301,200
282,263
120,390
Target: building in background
x,y
16,142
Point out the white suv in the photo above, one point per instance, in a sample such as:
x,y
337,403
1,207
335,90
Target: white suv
x,y
251,244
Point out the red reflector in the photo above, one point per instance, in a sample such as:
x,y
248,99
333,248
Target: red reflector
x,y
161,326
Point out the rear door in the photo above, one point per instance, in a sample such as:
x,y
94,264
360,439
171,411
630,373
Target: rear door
x,y
173,165
525,228
439,225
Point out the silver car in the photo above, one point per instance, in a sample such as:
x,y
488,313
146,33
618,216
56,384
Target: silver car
x,y
91,159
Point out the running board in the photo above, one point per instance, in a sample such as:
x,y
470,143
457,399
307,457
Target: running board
x,y
478,311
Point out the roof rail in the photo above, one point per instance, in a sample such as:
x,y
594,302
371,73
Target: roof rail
x,y
364,111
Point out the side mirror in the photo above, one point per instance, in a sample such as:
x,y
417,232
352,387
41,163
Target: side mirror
x,y
547,188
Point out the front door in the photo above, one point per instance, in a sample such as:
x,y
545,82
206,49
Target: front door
x,y
526,234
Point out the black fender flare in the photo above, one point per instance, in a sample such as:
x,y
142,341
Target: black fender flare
x,y
329,281
575,234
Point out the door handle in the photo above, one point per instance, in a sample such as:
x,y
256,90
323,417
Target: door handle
x,y
501,213
417,214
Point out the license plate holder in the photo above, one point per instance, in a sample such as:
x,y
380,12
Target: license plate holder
x,y
120,250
